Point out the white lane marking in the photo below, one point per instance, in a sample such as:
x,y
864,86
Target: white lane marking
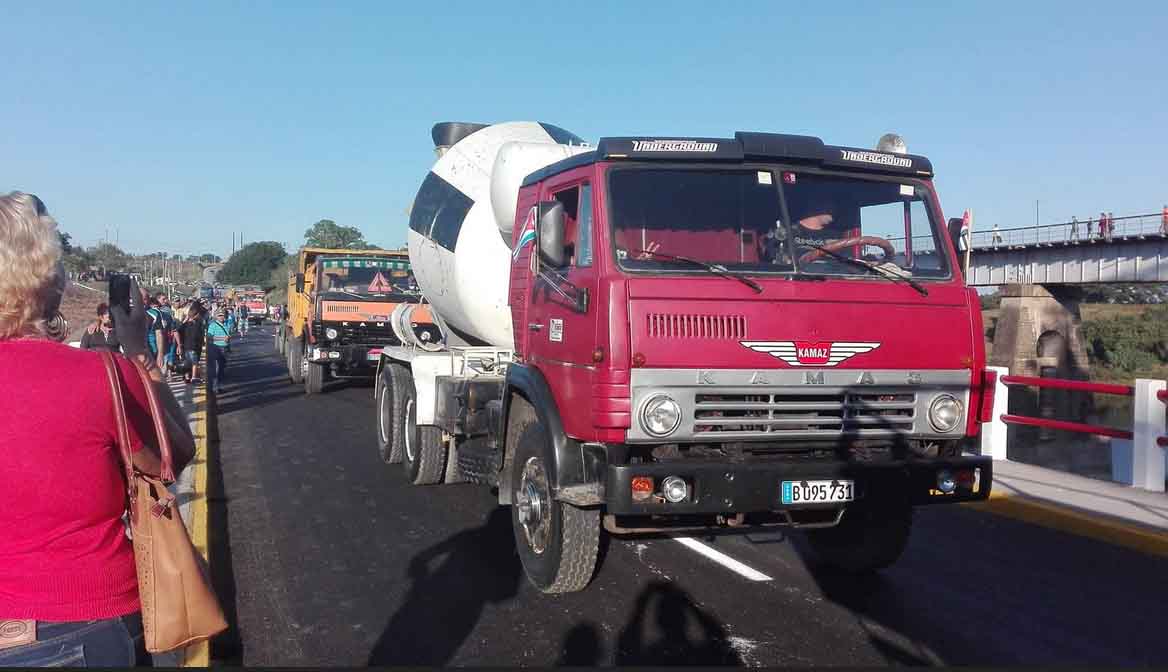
x,y
721,558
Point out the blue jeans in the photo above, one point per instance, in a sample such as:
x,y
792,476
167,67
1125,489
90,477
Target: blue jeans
x,y
110,642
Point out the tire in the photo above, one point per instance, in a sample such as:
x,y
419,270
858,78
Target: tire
x,y
314,379
566,559
423,452
295,351
389,437
869,537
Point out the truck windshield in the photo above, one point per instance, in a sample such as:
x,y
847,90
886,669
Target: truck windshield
x,y
368,281
733,218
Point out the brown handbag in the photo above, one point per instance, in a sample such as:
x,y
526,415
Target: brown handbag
x,y
179,606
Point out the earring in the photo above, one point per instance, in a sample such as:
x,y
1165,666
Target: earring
x,y
57,327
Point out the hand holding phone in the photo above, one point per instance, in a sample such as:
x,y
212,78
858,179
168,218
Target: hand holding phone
x,y
128,314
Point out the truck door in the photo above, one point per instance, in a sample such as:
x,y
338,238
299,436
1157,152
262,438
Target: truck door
x,y
562,335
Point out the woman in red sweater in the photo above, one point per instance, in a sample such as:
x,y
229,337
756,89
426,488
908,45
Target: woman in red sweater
x,y
68,588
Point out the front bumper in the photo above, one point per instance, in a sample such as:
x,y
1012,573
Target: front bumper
x,y
346,356
725,487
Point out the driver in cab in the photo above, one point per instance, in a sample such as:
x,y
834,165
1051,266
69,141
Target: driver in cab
x,y
821,223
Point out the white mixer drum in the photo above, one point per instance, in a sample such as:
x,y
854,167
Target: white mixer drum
x,y
457,248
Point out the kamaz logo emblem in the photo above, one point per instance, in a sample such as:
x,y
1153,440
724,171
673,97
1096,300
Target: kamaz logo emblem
x,y
807,353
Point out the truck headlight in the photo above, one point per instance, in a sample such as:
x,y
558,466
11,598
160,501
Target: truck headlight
x,y
945,413
660,415
330,333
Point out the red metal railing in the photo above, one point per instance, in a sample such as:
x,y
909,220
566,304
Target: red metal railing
x,y
1077,385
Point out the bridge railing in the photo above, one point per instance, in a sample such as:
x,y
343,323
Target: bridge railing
x,y
1138,453
1063,232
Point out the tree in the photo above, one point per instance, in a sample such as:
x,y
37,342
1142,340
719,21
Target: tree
x,y
327,233
210,258
66,244
252,264
277,284
109,257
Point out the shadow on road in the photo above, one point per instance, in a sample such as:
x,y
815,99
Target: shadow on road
x,y
474,568
665,627
227,648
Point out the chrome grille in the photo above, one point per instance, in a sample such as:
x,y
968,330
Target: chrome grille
x,y
826,414
675,325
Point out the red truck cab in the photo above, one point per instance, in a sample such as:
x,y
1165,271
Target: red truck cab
x,y
764,329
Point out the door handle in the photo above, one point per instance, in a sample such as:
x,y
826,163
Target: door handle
x,y
534,326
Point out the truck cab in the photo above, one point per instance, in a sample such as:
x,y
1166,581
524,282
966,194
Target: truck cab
x,y
746,331
339,305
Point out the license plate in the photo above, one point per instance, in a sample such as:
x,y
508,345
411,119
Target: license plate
x,y
817,492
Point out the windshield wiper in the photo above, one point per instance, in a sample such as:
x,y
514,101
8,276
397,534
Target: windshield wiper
x,y
878,270
713,268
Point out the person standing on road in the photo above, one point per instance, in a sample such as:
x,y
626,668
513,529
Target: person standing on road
x,y
68,583
193,330
218,338
244,312
156,334
100,335
1074,228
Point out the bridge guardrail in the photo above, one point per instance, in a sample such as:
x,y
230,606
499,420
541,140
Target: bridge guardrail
x,y
1137,454
1124,227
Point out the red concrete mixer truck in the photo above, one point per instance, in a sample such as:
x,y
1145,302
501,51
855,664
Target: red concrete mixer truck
x,y
656,334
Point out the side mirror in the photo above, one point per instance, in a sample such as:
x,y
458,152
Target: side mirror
x,y
955,234
300,282
551,225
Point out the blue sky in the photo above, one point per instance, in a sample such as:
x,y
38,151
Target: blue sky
x,y
175,124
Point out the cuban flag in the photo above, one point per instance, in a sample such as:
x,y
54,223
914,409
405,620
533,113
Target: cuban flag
x,y
526,234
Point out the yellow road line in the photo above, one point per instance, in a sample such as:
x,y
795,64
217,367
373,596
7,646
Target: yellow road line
x,y
199,655
1066,519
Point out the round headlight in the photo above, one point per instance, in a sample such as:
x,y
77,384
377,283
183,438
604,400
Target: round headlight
x,y
660,415
330,333
945,413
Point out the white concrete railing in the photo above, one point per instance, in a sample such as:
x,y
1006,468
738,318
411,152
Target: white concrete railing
x,y
1139,462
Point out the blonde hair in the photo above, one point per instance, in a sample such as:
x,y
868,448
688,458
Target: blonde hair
x,y
32,279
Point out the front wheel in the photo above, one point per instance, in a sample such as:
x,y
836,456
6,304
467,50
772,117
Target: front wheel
x,y
869,537
389,424
557,542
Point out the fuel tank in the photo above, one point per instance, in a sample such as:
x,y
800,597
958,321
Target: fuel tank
x,y
460,224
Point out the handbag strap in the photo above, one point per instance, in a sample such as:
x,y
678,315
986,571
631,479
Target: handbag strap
x,y
157,414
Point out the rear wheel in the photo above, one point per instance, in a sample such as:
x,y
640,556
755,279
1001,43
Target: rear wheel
x,y
869,537
295,357
557,542
313,378
423,451
389,422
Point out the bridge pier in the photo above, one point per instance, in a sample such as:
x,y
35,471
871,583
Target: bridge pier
x,y
1037,334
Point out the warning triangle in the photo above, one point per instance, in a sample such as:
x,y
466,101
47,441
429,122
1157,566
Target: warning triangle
x,y
379,284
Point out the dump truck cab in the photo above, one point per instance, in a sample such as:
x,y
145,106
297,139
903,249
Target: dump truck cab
x,y
339,305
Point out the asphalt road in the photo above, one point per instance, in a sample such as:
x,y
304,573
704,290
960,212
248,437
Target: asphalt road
x,y
326,556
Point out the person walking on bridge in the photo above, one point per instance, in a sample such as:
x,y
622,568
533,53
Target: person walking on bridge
x,y
996,238
1164,221
1074,228
68,583
1104,226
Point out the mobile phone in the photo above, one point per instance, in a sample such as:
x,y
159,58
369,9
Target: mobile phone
x,y
119,292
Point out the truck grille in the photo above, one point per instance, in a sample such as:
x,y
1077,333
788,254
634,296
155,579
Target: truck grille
x,y
372,333
827,415
673,325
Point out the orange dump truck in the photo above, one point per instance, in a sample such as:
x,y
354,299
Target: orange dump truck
x,y
341,310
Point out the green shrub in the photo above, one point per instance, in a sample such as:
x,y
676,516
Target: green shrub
x,y
1129,343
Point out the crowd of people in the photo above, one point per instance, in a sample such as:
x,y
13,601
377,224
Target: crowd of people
x,y
178,334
